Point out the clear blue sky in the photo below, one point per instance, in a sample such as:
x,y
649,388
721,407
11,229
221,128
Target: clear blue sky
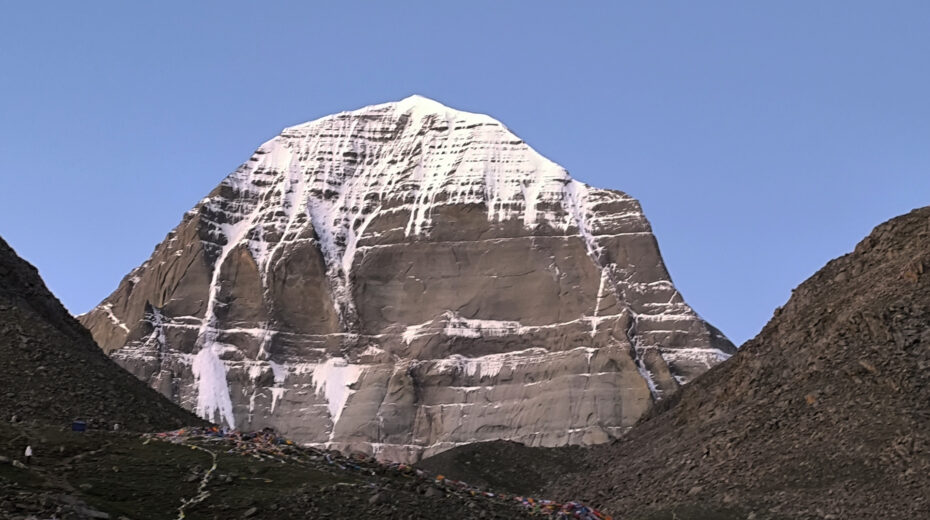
x,y
762,140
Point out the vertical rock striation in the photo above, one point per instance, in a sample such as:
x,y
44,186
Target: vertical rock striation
x,y
406,278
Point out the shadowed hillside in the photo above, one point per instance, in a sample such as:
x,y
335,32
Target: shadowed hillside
x,y
824,414
51,371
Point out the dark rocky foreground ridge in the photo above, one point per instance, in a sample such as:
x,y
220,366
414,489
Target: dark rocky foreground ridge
x,y
824,414
52,372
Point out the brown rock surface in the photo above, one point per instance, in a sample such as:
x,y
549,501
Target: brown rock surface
x,y
406,278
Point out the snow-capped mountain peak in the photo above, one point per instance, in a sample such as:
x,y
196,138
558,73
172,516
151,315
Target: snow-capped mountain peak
x,y
404,278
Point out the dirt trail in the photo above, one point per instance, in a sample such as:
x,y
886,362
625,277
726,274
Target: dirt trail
x,y
54,473
202,492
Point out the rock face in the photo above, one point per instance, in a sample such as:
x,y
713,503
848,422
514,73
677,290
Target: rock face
x,y
52,372
824,414
406,278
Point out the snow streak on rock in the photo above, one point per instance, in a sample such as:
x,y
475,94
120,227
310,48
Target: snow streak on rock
x,y
213,402
333,379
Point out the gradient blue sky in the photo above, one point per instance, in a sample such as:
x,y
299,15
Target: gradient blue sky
x,y
762,140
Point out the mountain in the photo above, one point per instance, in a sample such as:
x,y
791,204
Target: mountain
x,y
824,414
52,372
406,278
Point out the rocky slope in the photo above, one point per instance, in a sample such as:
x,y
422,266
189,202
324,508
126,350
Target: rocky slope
x,y
825,414
51,371
406,278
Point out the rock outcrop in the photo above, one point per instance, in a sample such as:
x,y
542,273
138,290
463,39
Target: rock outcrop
x,y
824,414
52,372
406,278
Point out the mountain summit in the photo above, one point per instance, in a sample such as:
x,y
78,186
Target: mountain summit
x,y
405,278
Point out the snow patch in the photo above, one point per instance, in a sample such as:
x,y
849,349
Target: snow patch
x,y
279,371
649,378
707,356
468,328
256,370
415,331
108,308
601,294
333,378
372,350
212,389
576,194
492,364
276,394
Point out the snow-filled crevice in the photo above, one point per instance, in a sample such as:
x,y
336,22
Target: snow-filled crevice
x,y
213,401
333,379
